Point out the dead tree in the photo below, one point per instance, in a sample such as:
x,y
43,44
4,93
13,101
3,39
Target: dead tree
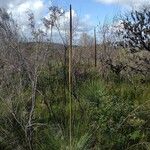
x,y
136,32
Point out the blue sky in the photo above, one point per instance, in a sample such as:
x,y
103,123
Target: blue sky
x,y
97,11
89,12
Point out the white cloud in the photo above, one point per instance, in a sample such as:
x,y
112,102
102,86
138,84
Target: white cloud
x,y
33,5
67,14
7,3
87,17
18,9
79,23
38,5
128,3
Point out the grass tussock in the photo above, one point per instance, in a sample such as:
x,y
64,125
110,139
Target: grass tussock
x,y
106,115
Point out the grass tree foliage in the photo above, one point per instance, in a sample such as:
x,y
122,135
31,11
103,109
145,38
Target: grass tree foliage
x,y
109,110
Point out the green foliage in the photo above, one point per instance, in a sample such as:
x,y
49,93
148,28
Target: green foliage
x,y
106,114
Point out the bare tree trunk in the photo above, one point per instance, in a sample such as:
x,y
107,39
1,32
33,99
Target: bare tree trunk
x,y
95,48
70,79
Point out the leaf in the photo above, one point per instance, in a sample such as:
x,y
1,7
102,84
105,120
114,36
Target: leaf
x,y
84,142
135,135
